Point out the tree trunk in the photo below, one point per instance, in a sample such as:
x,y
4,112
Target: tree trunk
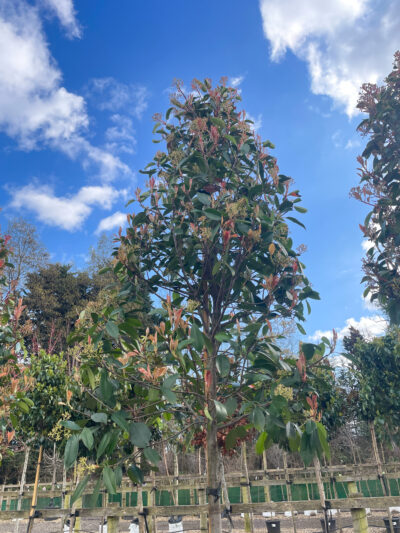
x,y
214,507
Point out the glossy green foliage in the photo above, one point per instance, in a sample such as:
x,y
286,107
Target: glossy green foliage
x,y
210,241
46,383
376,368
380,188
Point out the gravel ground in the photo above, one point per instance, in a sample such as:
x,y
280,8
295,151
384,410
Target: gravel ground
x,y
191,525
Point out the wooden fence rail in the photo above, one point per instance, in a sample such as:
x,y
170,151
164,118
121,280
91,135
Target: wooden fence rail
x,y
349,480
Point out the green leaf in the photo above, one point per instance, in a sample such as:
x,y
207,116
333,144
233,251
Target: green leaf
x,y
301,329
207,413
152,455
87,438
112,329
106,388
258,418
197,337
223,337
204,198
105,441
119,417
323,439
230,406
220,410
91,379
118,476
212,214
135,474
79,489
261,442
223,365
140,434
109,480
69,424
308,350
71,451
99,418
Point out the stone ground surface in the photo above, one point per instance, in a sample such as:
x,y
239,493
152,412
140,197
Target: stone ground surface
x,y
191,525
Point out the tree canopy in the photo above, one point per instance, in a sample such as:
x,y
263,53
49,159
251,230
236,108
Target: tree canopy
x,y
380,188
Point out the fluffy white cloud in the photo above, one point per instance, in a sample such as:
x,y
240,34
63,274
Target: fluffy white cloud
x,y
64,10
121,136
111,95
35,109
66,212
369,327
344,42
115,220
235,81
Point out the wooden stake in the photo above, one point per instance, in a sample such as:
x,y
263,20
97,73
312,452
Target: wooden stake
x,y
289,491
35,490
246,495
22,485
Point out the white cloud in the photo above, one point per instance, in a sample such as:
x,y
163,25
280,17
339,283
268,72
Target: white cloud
x,y
352,143
115,220
370,306
366,245
35,109
111,95
66,212
344,42
121,136
369,327
257,121
64,10
235,81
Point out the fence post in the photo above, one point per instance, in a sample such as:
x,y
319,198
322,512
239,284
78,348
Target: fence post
x,y
112,521
358,515
203,516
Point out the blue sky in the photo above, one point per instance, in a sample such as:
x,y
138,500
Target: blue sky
x,y
80,81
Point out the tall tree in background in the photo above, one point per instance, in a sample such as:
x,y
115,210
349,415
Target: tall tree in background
x,y
28,253
55,297
380,189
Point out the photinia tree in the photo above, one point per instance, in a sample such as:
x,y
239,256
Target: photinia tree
x,y
211,244
379,189
11,390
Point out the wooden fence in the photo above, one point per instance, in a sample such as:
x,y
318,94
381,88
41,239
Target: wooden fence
x,y
288,490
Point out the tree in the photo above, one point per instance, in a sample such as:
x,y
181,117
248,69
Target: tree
x,y
211,244
54,298
11,345
28,253
376,367
379,189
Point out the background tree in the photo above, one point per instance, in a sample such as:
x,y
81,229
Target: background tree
x,y
212,246
375,365
28,253
380,188
54,298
